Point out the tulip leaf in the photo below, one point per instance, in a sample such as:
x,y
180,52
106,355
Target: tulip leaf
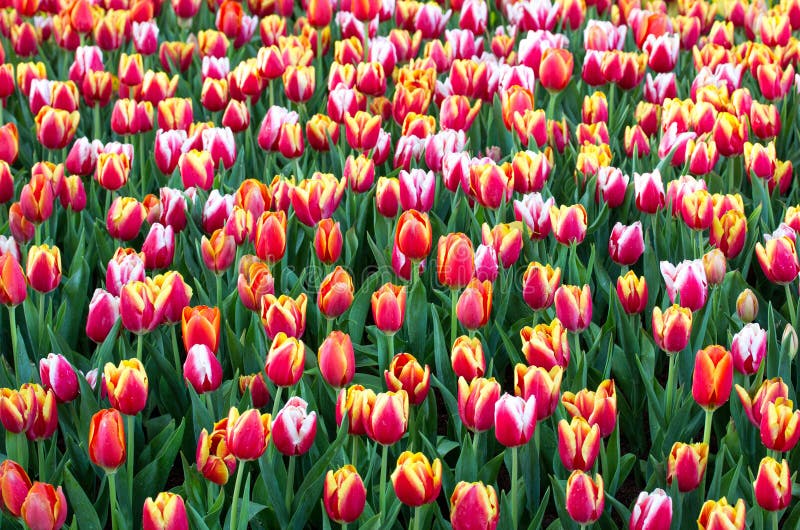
x,y
103,353
536,521
82,507
361,306
153,476
195,519
417,317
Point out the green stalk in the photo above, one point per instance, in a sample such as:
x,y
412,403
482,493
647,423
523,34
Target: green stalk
x,y
328,327
707,428
389,351
418,518
453,316
382,490
774,516
17,448
96,116
42,324
354,451
276,406
290,483
130,421
12,324
536,469
671,385
175,350
475,441
141,164
514,474
414,272
139,346
112,496
790,301
219,290
236,488
42,465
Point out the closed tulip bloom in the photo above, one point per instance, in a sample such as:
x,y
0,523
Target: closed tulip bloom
x,y
107,440
284,314
36,199
416,480
476,402
585,497
569,223
294,429
455,264
124,267
715,266
202,369
255,281
632,293
44,410
218,251
719,514
780,425
475,304
728,233
388,307
712,379
672,328
748,348
200,325
270,236
256,386
127,386
44,268
57,373
18,408
55,128
344,495
413,235
578,444
506,239
773,485
756,406
545,345
214,460
137,307
14,487
159,247
539,284
45,507
687,464
467,358
173,294
544,385
652,511
514,419
125,218
388,418
778,259
688,279
597,407
626,244
555,69
9,143
574,307
247,434
335,293
328,240
336,359
356,403
13,287
285,360
405,373
474,506
167,512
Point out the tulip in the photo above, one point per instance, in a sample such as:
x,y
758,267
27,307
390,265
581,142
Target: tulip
x,y
137,307
416,480
284,314
747,306
455,260
653,511
578,444
107,440
328,241
476,402
535,213
55,128
514,420
45,507
218,251
649,191
18,409
545,345
127,386
336,359
14,486
687,464
779,425
712,379
506,239
474,506
247,434
720,514
413,235
778,259
200,325
728,233
202,369
689,280
335,293
773,485
632,293
344,495
9,143
467,358
36,199
167,512
598,408
43,410
585,497
539,284
125,218
294,429
13,289
285,360
574,307
569,223
124,267
405,373
173,294
58,374
316,198
214,460
388,307
672,328
626,244
356,402
388,419
475,304
255,385
748,348
555,69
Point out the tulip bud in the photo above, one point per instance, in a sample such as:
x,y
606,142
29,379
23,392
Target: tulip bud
x,y
672,328
247,434
413,235
405,373
653,511
336,359
712,379
476,402
416,480
125,218
585,497
569,223
467,358
218,251
335,293
202,369
388,307
270,236
539,285
626,244
455,260
57,373
167,512
574,307
474,505
127,386
328,241
598,408
45,506
255,385
200,325
45,412
748,348
137,307
747,306
388,419
720,514
632,293
780,425
285,360
773,485
18,409
356,402
545,345
789,342
778,259
15,486
294,429
578,444
107,440
475,304
214,460
344,495
687,464
514,419
284,314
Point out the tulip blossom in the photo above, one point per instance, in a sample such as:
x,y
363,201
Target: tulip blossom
x,y
294,429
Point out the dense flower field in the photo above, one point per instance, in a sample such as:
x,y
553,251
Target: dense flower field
x,y
391,264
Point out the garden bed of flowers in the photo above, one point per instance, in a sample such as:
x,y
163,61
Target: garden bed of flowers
x,y
390,264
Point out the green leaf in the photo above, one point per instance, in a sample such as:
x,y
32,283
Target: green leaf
x,y
81,506
152,477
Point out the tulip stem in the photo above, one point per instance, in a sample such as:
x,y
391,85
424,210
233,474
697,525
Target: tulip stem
x,y
475,441
354,451
236,488
514,472
774,516
141,163
671,383
130,421
42,325
382,491
453,316
414,272
276,406
175,351
12,324
42,465
112,497
418,518
790,301
219,290
707,428
328,327
389,352
290,483
139,346
96,118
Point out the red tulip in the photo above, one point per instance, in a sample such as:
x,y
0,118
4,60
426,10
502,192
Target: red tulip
x,y
687,464
167,512
585,497
107,447
416,480
474,506
127,386
247,434
344,495
45,507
